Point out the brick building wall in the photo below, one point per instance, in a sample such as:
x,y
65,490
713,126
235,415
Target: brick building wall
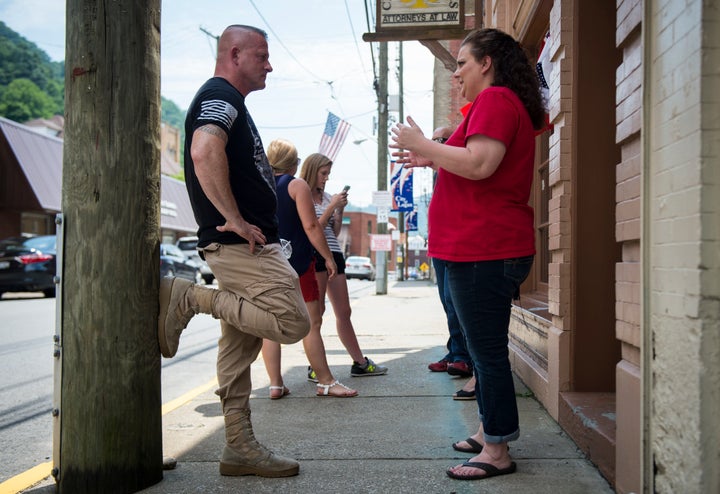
x,y
681,200
560,293
357,228
629,78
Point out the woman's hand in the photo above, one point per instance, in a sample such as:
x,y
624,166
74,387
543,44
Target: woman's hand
x,y
339,200
412,160
331,267
406,138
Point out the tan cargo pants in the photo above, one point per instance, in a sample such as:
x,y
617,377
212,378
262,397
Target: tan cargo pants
x,y
267,289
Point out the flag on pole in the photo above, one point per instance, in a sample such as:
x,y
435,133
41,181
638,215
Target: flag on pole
x,y
334,135
544,68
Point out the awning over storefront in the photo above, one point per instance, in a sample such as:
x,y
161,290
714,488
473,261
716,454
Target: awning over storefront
x,y
38,158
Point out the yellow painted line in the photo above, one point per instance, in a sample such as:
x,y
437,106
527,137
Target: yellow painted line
x,y
28,478
181,400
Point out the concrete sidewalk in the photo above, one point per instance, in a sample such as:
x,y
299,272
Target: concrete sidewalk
x,y
395,437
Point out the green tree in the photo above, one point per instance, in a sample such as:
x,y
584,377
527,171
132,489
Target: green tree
x,y
33,86
22,100
172,114
21,59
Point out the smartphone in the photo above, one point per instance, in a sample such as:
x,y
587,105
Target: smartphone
x,y
346,188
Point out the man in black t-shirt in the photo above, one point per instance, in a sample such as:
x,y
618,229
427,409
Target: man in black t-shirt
x,y
232,192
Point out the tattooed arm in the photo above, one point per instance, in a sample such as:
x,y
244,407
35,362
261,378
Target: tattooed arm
x,y
213,173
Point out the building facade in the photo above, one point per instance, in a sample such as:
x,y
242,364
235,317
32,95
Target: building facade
x,y
356,232
31,186
618,328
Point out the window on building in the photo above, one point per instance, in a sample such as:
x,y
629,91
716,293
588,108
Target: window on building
x,y
535,289
542,219
37,224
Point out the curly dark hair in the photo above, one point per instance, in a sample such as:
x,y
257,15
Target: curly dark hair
x,y
512,68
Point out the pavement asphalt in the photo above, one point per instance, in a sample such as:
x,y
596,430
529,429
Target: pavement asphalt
x,y
395,437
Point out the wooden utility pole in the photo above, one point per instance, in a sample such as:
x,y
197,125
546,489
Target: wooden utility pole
x,y
402,265
108,430
381,281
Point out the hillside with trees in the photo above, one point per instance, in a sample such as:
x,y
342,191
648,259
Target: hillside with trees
x,y
33,86
172,114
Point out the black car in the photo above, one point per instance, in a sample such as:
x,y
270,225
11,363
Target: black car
x,y
28,265
174,263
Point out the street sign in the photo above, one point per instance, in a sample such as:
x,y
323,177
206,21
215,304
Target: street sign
x,y
383,214
381,242
382,198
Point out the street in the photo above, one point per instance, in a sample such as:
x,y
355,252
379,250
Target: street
x,y
26,370
26,367
27,326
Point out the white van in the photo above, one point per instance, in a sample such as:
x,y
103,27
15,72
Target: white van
x,y
188,246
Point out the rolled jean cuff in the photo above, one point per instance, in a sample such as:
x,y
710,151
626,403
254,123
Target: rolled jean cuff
x,y
501,439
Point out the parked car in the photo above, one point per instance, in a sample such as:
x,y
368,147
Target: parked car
x,y
7,242
28,265
189,247
359,267
414,274
174,263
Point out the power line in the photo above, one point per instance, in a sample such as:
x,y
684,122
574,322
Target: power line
x,y
354,36
260,126
329,83
372,52
213,36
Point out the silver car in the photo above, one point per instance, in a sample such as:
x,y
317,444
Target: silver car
x,y
188,245
359,267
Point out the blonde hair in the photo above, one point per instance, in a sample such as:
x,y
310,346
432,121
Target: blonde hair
x,y
310,168
282,155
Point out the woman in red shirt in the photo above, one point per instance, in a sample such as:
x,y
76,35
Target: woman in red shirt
x,y
481,225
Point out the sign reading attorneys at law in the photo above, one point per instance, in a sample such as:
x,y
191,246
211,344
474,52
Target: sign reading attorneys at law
x,y
419,13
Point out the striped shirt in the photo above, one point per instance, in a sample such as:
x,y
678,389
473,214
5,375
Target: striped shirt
x,y
329,232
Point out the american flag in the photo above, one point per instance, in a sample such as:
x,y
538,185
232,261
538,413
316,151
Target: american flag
x,y
334,135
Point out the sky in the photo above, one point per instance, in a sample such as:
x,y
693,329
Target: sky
x,y
321,64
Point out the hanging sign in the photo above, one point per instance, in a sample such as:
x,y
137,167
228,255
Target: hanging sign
x,y
401,188
419,13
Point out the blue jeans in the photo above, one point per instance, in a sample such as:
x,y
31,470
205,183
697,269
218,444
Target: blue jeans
x,y
482,293
457,350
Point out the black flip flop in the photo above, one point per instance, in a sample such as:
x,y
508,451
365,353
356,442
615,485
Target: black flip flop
x,y
461,394
475,447
490,471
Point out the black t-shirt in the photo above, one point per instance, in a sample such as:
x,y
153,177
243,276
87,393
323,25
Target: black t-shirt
x,y
251,177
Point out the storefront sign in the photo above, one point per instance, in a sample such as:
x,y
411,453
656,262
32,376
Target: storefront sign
x,y
419,13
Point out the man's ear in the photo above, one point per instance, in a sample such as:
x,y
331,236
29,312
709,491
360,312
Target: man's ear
x,y
235,54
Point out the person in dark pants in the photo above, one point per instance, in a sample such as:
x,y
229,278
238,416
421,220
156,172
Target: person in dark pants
x,y
456,361
480,223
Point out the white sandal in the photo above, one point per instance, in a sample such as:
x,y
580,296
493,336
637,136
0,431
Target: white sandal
x,y
326,390
284,391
